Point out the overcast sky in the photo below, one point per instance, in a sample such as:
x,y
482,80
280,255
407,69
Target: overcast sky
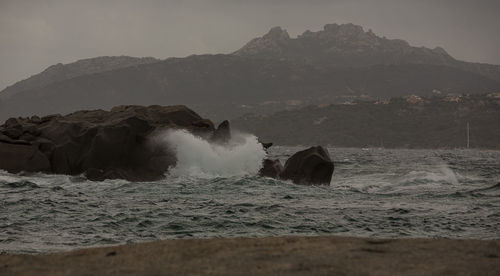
x,y
38,33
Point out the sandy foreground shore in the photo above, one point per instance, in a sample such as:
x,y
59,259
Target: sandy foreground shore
x,y
324,255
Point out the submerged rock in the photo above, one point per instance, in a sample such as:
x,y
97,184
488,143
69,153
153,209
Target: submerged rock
x,y
101,144
310,166
271,168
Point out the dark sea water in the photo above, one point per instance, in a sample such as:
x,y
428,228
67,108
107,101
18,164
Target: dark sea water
x,y
373,193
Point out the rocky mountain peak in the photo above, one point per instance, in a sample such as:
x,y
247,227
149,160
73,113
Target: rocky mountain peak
x,y
441,51
277,33
346,36
341,45
338,30
343,29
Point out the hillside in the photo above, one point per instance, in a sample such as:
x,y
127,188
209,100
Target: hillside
x,y
275,72
222,86
60,72
412,122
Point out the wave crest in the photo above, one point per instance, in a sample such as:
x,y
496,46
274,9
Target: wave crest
x,y
242,155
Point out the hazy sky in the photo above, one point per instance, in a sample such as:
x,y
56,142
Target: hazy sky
x,y
38,33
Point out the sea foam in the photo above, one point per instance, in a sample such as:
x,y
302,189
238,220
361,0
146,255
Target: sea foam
x,y
242,155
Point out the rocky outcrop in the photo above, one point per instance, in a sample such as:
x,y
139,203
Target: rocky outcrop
x,y
271,168
266,146
310,166
117,144
22,157
222,134
100,144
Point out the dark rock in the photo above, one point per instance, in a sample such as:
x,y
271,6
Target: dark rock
x,y
4,138
18,157
271,168
35,119
66,158
8,140
205,123
49,118
101,144
13,123
44,145
310,166
13,132
223,133
31,129
266,145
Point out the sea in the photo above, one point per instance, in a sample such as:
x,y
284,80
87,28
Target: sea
x,y
214,192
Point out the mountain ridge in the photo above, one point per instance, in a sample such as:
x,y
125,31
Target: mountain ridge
x,y
349,45
224,86
61,72
229,85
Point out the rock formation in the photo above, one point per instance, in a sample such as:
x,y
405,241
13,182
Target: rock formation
x,y
100,144
271,168
116,144
310,166
266,145
222,134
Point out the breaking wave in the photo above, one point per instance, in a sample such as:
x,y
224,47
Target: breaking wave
x,y
242,155
443,175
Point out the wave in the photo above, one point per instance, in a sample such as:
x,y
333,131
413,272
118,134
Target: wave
x,y
495,188
444,175
22,184
242,155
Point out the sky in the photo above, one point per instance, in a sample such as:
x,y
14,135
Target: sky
x,y
35,34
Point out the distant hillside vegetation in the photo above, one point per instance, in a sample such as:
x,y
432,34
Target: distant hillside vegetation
x,y
412,122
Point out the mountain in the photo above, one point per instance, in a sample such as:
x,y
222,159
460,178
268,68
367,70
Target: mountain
x,y
60,72
348,45
270,73
229,86
411,122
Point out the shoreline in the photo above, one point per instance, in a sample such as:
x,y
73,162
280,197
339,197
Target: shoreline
x,y
289,255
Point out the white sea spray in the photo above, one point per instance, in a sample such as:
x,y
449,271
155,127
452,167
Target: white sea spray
x,y
196,156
